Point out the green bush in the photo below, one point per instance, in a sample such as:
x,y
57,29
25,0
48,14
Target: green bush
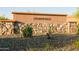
x,y
27,32
78,29
76,43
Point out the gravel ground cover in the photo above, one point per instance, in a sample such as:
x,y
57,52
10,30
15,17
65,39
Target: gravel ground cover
x,y
56,42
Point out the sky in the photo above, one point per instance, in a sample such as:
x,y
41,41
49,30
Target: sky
x,y
7,11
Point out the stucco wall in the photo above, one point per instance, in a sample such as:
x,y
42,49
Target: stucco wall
x,y
54,19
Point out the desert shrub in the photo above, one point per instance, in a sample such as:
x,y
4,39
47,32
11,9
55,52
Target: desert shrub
x,y
27,31
76,43
49,30
49,33
48,36
46,48
78,29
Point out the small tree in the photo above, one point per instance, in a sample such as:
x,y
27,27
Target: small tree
x,y
27,32
76,15
3,18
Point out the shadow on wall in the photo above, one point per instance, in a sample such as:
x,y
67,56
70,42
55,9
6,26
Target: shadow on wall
x,y
16,27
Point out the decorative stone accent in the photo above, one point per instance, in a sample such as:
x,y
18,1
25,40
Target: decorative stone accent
x,y
38,28
6,29
42,29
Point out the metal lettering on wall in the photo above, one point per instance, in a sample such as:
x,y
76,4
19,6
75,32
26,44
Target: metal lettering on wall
x,y
36,18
